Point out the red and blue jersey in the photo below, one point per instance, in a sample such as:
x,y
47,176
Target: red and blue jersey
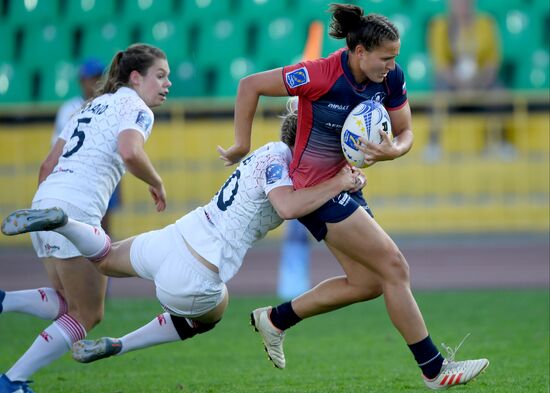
x,y
327,93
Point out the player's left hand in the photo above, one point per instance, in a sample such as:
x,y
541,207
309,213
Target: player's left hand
x,y
373,152
232,155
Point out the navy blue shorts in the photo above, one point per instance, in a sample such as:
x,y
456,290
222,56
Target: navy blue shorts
x,y
337,209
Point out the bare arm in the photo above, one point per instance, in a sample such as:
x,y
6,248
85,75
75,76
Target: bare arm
x,y
401,121
268,83
290,203
51,160
131,149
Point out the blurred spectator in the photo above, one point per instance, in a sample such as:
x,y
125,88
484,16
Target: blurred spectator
x,y
465,49
89,74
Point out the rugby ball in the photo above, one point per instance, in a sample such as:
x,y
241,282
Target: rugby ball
x,y
365,120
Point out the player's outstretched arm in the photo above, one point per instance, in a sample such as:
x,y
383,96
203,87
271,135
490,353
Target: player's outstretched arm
x,y
268,83
290,203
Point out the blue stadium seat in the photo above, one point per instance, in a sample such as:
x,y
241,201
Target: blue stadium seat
x,y
220,41
7,49
82,12
140,10
203,10
280,41
230,73
58,83
104,40
533,71
43,44
29,13
15,84
171,35
187,79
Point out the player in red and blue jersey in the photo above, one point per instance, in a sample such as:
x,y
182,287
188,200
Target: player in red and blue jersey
x,y
328,89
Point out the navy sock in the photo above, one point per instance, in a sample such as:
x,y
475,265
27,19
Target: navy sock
x,y
283,316
428,357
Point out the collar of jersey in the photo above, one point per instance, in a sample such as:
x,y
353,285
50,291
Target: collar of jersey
x,y
349,74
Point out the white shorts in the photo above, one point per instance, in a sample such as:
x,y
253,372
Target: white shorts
x,y
184,286
52,244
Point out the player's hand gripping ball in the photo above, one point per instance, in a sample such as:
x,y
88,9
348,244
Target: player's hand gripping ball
x,y
365,120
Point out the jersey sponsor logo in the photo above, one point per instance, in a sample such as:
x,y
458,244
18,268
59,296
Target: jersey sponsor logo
x,y
339,107
143,120
334,126
404,88
273,173
297,77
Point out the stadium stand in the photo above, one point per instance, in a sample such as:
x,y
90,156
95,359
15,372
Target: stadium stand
x,y
211,44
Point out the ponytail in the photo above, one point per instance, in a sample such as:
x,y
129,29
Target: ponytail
x,y
349,22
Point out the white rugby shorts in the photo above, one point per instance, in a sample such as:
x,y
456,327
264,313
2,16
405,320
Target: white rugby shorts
x,y
52,244
184,286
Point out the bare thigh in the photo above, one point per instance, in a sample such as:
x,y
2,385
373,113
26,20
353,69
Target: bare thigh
x,y
363,281
82,286
362,239
117,263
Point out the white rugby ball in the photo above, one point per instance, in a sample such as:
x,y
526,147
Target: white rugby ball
x,y
365,120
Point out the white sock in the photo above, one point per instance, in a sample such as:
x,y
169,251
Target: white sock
x,y
159,331
91,241
53,342
45,303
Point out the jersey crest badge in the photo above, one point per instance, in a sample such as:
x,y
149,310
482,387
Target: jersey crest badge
x,y
273,173
143,120
297,77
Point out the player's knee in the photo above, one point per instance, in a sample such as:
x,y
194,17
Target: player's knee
x,y
396,267
188,328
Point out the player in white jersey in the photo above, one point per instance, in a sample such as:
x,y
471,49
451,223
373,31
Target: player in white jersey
x,y
190,261
105,137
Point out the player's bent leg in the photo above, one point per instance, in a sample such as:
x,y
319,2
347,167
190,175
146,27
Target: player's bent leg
x,y
84,288
32,220
116,262
164,328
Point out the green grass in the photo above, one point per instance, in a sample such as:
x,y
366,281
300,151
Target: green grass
x,y
352,350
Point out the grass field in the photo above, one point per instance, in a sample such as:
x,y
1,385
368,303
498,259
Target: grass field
x,y
352,350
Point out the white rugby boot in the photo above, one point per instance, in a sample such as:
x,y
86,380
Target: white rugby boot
x,y
272,337
454,373
33,220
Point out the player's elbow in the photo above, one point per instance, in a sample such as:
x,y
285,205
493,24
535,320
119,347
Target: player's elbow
x,y
129,154
287,212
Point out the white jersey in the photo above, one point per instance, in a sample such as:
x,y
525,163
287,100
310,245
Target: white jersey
x,y
90,166
240,213
64,114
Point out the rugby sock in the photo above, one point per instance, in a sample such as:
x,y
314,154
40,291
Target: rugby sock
x,y
51,344
45,303
427,356
283,316
160,330
91,241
